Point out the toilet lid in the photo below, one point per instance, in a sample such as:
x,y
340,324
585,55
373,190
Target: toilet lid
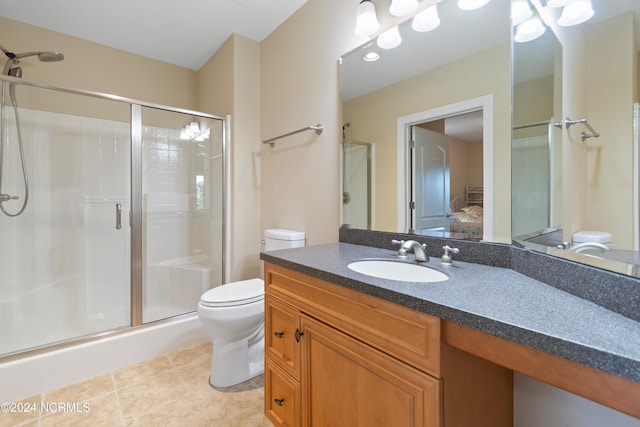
x,y
235,293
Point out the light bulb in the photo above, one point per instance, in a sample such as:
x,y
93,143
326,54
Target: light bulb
x,y
403,7
390,38
366,21
426,20
471,4
576,13
183,134
529,30
520,12
371,56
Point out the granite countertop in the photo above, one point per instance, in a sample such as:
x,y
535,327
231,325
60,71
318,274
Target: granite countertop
x,y
495,300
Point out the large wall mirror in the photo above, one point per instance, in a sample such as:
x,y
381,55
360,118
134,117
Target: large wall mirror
x,y
575,183
569,84
422,123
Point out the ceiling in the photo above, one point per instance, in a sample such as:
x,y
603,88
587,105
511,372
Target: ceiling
x,y
185,32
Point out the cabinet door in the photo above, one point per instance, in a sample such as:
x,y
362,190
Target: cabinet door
x,y
348,383
281,324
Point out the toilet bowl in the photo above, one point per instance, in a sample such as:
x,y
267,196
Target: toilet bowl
x,y
233,316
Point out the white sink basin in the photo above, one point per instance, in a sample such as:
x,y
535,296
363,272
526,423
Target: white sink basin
x,y
394,270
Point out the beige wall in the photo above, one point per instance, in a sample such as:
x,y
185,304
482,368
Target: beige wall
x,y
533,102
373,118
300,175
465,163
610,78
600,73
93,67
229,83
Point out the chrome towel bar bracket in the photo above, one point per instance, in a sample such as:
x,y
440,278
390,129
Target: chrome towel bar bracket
x,y
568,122
272,141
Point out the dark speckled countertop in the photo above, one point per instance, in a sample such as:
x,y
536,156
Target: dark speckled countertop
x,y
493,299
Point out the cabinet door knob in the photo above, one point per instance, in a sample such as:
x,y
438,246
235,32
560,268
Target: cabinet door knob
x,y
279,402
298,335
278,334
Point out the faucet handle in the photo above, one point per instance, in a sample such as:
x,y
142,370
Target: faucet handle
x,y
446,258
402,252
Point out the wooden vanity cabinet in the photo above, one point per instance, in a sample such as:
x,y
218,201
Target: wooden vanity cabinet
x,y
337,357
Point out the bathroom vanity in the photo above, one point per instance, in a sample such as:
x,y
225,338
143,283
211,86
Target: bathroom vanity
x,y
346,349
349,359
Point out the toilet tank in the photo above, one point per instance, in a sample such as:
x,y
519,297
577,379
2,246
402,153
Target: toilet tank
x,y
279,238
593,236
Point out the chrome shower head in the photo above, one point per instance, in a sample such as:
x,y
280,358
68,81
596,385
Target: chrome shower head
x,y
50,56
14,59
47,56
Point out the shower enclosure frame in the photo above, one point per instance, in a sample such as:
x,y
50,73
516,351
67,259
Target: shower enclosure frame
x,y
136,212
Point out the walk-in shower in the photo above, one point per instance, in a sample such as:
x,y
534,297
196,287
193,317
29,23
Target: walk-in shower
x,y
11,68
124,225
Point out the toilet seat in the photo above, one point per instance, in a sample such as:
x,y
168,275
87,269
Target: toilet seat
x,y
234,294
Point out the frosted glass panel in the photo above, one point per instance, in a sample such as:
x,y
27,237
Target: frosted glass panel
x,y
182,212
65,267
530,186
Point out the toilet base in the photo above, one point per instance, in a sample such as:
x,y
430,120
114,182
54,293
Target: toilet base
x,y
236,362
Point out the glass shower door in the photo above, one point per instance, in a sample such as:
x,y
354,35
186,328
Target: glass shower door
x,y
356,184
532,157
182,211
64,261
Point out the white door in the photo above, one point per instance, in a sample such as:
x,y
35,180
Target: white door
x,y
430,180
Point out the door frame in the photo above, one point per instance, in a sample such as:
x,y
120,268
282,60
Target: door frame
x,y
404,123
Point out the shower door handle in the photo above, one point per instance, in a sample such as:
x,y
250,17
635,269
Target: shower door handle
x,y
118,216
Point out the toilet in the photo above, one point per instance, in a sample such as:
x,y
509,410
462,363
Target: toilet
x,y
233,316
602,237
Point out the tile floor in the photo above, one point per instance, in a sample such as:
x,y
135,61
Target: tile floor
x,y
170,390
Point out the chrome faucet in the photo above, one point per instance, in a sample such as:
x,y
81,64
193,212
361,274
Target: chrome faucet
x,y
417,247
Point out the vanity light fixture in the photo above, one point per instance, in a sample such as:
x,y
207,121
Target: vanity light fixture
x,y
426,20
576,13
530,29
366,19
191,130
390,38
520,11
403,7
471,4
